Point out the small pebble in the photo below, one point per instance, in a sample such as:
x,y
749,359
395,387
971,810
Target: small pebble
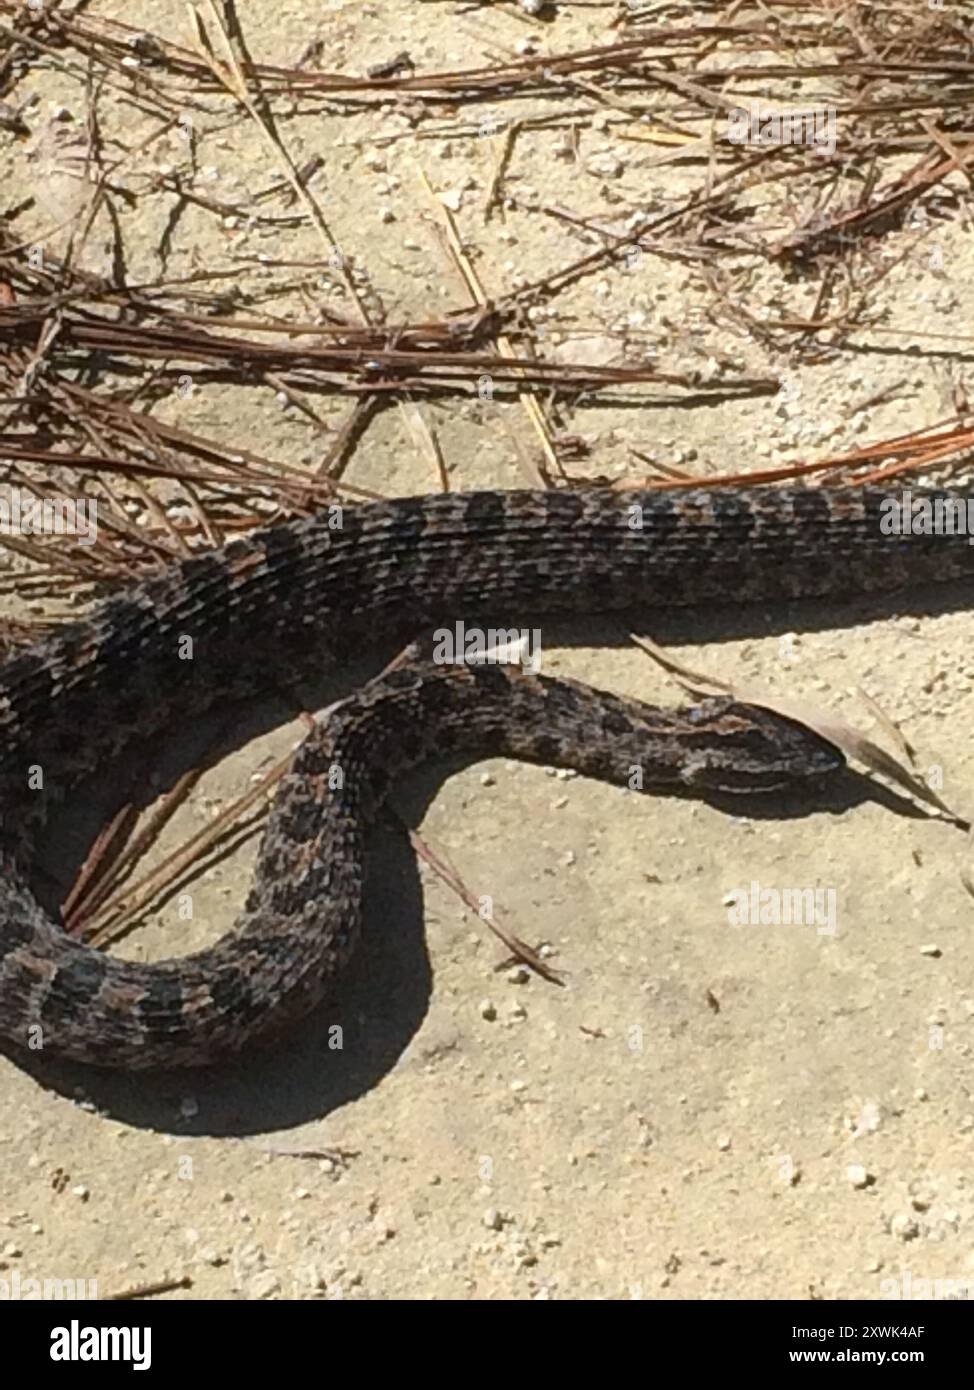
x,y
869,1120
858,1176
789,1171
931,950
904,1228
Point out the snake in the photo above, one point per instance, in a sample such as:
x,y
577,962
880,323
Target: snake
x,y
314,593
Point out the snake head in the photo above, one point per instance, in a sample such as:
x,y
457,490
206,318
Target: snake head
x,y
740,748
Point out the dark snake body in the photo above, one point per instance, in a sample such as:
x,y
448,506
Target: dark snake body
x,y
310,593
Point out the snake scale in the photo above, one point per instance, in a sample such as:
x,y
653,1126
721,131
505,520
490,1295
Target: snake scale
x,y
310,594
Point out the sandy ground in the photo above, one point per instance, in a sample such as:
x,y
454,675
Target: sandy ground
x,y
706,1110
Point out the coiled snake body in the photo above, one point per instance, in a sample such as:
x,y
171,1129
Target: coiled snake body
x,y
311,592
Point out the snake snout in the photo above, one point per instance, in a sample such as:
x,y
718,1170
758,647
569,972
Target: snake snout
x,y
745,748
